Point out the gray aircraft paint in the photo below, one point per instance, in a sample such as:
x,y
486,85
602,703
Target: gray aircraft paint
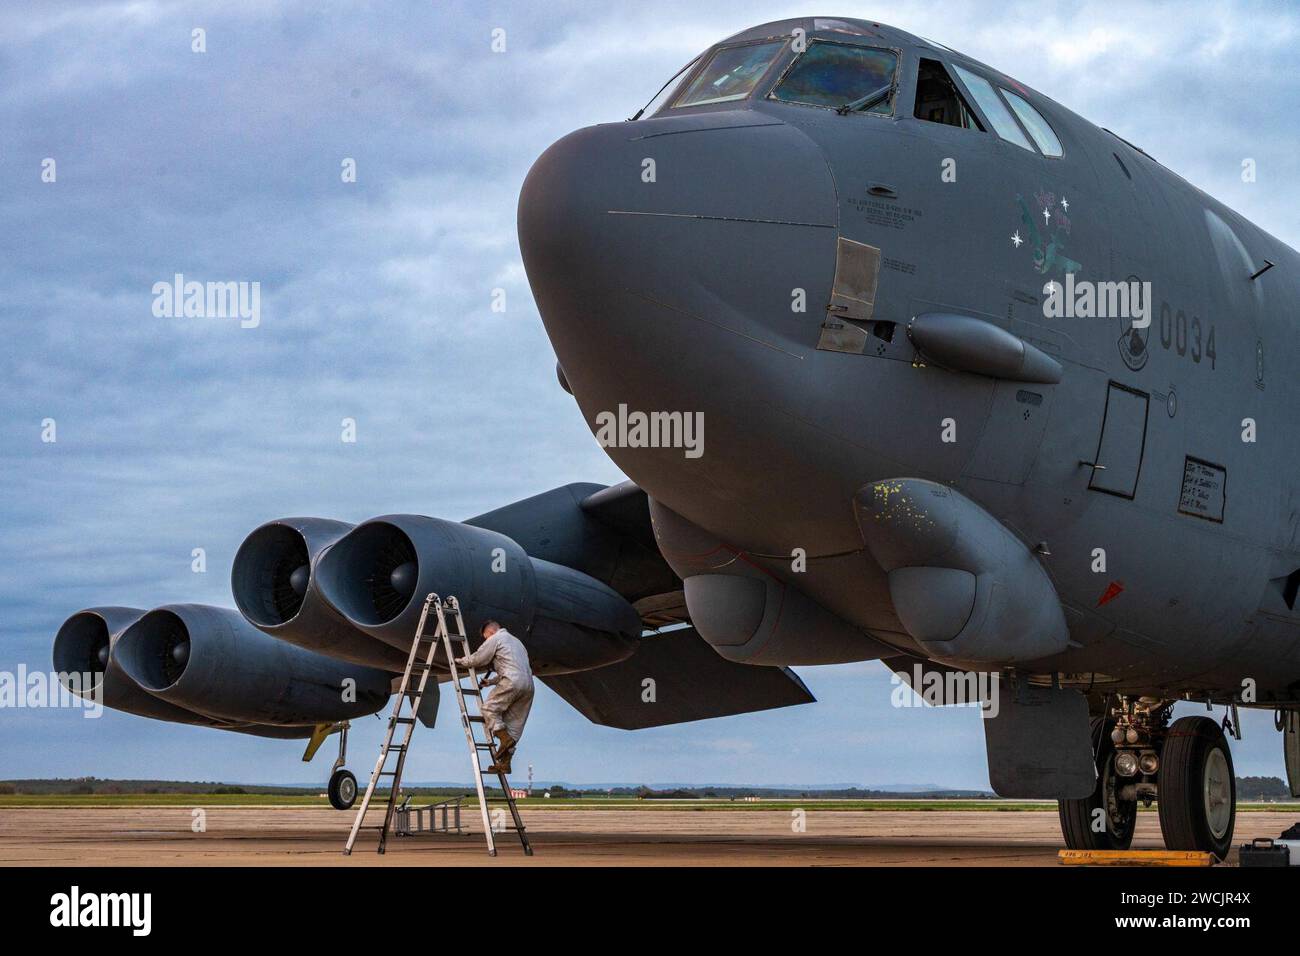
x,y
676,294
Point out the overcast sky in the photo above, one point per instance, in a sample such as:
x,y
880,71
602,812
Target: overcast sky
x,y
175,434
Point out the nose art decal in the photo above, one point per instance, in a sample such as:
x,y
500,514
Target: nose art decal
x,y
1048,232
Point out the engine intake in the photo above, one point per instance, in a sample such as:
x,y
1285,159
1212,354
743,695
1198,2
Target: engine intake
x,y
211,661
86,644
378,575
274,584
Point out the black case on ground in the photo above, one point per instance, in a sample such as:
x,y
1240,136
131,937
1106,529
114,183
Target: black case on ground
x,y
1264,852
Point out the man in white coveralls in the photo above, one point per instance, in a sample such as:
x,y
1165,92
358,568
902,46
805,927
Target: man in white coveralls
x,y
506,711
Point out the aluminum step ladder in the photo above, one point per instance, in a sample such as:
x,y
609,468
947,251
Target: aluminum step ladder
x,y
468,720
419,665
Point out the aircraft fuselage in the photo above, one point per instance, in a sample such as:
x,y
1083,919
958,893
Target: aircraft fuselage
x,y
685,262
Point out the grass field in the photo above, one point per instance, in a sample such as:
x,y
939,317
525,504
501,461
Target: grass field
x,y
561,803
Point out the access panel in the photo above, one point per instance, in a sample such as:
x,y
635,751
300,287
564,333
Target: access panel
x,y
1123,438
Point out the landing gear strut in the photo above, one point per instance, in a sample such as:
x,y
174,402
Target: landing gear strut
x,y
343,785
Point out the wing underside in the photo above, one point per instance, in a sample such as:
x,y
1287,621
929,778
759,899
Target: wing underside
x,y
690,682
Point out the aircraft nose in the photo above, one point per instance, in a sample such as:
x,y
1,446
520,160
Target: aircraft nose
x,y
632,232
560,194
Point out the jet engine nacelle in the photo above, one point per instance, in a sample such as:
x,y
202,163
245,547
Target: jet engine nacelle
x,y
273,580
379,573
211,661
86,644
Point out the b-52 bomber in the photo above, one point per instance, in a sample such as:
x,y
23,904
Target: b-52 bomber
x,y
904,361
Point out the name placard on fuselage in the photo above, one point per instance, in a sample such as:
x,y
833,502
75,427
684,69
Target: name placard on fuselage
x,y
1204,489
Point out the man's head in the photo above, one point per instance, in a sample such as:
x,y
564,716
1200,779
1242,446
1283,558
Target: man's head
x,y
489,628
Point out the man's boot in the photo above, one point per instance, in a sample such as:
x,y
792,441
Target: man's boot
x,y
501,766
505,743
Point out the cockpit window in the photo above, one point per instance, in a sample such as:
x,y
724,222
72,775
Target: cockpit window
x,y
1033,121
938,100
987,100
841,76
730,74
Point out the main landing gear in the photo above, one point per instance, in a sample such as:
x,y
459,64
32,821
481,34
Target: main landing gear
x,y
1198,790
1185,767
1105,820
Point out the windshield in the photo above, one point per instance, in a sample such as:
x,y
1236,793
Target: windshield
x,y
1039,128
997,114
730,74
840,74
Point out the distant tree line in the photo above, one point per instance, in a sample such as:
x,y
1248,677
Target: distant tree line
x,y
1262,788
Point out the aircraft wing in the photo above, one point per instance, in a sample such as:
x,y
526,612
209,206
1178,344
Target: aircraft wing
x,y
652,587
691,682
595,584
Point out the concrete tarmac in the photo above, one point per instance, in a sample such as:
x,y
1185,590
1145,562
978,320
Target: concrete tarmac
x,y
314,836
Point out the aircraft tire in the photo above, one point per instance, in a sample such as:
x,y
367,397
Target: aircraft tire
x,y
1077,815
342,789
1198,791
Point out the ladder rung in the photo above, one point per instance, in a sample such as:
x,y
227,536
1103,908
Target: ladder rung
x,y
403,720
482,746
474,720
